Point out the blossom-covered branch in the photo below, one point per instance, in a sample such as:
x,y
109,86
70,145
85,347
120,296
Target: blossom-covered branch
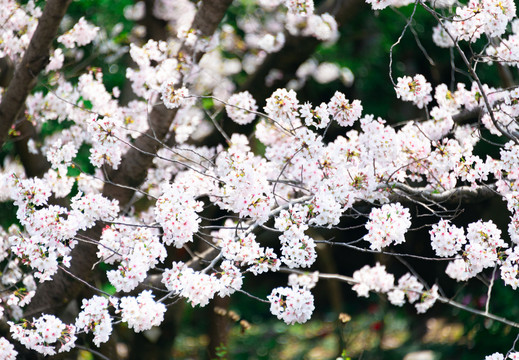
x,y
34,60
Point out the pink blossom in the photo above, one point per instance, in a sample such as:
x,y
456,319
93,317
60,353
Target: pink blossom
x,y
81,34
416,90
292,305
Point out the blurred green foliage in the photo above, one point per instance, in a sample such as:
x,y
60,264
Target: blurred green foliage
x,y
388,333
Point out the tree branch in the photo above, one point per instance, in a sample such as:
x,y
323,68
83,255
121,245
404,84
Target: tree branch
x,y
35,165
34,60
136,162
53,295
6,71
209,16
458,194
442,299
156,29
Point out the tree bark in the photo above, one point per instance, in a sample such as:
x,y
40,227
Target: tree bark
x,y
219,326
156,29
35,165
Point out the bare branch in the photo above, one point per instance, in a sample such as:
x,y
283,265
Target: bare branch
x,y
467,194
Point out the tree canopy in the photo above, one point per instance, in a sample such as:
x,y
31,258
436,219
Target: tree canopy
x,y
341,173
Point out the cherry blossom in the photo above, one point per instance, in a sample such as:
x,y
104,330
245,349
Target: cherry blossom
x,y
172,97
197,287
241,107
96,318
294,177
7,350
81,34
42,334
141,312
408,285
300,7
291,304
447,239
510,268
483,17
176,211
427,300
282,106
342,111
372,279
415,89
387,225
307,281
495,356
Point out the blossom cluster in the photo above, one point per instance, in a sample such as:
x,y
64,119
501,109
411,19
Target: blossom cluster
x,y
514,355
481,251
44,334
155,72
141,312
50,230
7,350
342,111
408,285
198,287
171,97
307,281
81,34
243,248
19,24
176,210
245,189
292,171
379,280
241,107
372,279
447,239
318,117
302,19
297,248
105,134
94,317
387,225
488,17
282,106
415,89
136,249
292,305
